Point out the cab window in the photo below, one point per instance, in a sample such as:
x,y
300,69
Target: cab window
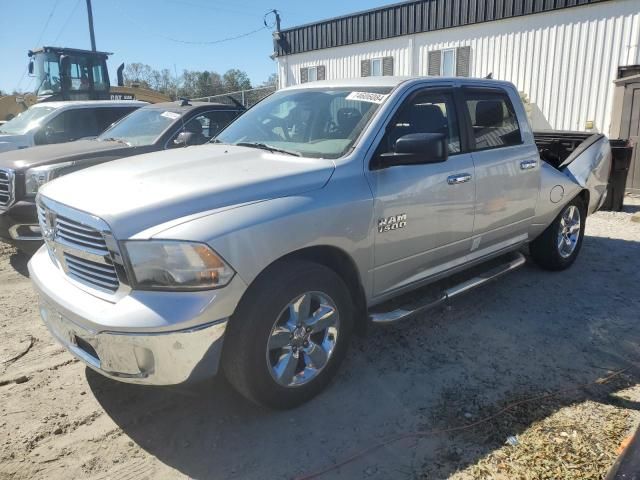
x,y
69,125
204,127
493,120
426,112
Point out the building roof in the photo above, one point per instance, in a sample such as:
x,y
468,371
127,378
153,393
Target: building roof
x,y
408,18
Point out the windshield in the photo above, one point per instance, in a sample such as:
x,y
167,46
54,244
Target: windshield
x,y
47,73
26,120
142,127
310,123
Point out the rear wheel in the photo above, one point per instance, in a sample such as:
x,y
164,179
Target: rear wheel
x,y
558,246
289,334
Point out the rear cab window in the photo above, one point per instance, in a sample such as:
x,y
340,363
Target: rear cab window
x,y
494,123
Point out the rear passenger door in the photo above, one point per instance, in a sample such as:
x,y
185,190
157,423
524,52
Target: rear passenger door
x,y
506,168
424,213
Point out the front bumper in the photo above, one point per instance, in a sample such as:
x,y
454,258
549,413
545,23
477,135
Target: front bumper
x,y
153,338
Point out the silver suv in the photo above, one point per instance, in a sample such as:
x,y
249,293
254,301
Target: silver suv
x,y
261,253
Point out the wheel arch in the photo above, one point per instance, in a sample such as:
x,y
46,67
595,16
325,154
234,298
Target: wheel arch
x,y
341,263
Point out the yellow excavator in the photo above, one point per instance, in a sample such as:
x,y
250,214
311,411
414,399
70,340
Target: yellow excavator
x,y
72,74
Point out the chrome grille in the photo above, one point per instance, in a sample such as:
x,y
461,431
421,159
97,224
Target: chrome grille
x,y
83,247
6,187
77,234
94,273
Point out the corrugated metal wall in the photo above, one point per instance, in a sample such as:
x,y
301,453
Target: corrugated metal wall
x,y
407,18
564,61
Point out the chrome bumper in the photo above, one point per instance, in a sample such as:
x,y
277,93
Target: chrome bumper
x,y
185,344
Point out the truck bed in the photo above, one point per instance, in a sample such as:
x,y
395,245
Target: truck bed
x,y
557,147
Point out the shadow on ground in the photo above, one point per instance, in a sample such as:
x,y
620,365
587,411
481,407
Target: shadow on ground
x,y
19,262
529,333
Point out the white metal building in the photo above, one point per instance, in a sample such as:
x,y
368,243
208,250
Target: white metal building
x,y
563,55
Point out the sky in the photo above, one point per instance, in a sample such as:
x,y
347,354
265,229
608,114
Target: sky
x,y
161,33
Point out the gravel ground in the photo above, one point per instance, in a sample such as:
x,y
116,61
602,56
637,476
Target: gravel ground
x,y
530,333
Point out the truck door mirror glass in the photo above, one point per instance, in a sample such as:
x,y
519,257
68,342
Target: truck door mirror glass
x,y
184,139
31,67
416,149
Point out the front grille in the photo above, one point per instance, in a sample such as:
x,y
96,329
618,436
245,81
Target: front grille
x,y
77,243
6,187
95,273
79,235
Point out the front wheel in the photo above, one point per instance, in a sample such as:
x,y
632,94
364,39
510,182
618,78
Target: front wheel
x,y
558,246
289,335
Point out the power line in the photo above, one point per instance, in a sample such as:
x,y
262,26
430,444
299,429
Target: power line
x,y
55,5
46,24
205,42
66,22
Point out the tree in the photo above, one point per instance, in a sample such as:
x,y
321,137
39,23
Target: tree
x,y
191,84
138,73
235,80
271,81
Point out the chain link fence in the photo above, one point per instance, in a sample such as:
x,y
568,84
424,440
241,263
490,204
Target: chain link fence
x,y
247,98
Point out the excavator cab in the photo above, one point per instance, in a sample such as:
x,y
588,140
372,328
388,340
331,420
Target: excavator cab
x,y
69,74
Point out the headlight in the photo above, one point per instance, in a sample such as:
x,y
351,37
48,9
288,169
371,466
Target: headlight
x,y
175,265
38,176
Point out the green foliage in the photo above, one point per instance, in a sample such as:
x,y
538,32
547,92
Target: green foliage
x,y
191,83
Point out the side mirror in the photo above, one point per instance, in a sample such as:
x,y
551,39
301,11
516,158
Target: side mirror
x,y
416,149
184,139
30,67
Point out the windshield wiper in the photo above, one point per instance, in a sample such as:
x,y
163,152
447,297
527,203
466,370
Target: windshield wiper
x,y
270,148
113,139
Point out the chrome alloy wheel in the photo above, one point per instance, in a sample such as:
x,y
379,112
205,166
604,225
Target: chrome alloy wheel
x,y
569,231
303,339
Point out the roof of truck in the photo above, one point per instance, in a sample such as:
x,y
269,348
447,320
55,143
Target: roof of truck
x,y
178,105
91,103
394,81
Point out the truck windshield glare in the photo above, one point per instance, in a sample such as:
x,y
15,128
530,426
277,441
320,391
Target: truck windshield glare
x,y
312,123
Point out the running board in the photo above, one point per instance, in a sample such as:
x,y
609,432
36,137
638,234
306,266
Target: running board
x,y
423,305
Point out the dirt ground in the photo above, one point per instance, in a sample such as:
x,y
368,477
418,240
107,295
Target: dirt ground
x,y
528,334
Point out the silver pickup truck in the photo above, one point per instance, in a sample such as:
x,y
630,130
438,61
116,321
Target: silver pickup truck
x,y
325,208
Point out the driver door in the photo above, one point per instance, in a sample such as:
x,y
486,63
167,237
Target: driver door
x,y
424,213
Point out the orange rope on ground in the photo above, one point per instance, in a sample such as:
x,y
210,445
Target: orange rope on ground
x,y
425,433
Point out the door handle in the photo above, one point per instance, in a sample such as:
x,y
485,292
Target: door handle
x,y
458,178
528,164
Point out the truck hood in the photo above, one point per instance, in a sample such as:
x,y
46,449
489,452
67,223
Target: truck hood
x,y
137,193
56,153
13,142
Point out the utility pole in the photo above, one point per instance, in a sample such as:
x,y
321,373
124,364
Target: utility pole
x,y
93,36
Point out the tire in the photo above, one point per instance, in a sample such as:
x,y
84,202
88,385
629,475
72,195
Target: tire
x,y
548,251
253,359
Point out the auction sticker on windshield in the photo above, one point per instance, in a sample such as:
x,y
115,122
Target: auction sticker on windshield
x,y
367,97
171,115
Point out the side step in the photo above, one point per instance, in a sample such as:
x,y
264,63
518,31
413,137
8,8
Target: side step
x,y
411,309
